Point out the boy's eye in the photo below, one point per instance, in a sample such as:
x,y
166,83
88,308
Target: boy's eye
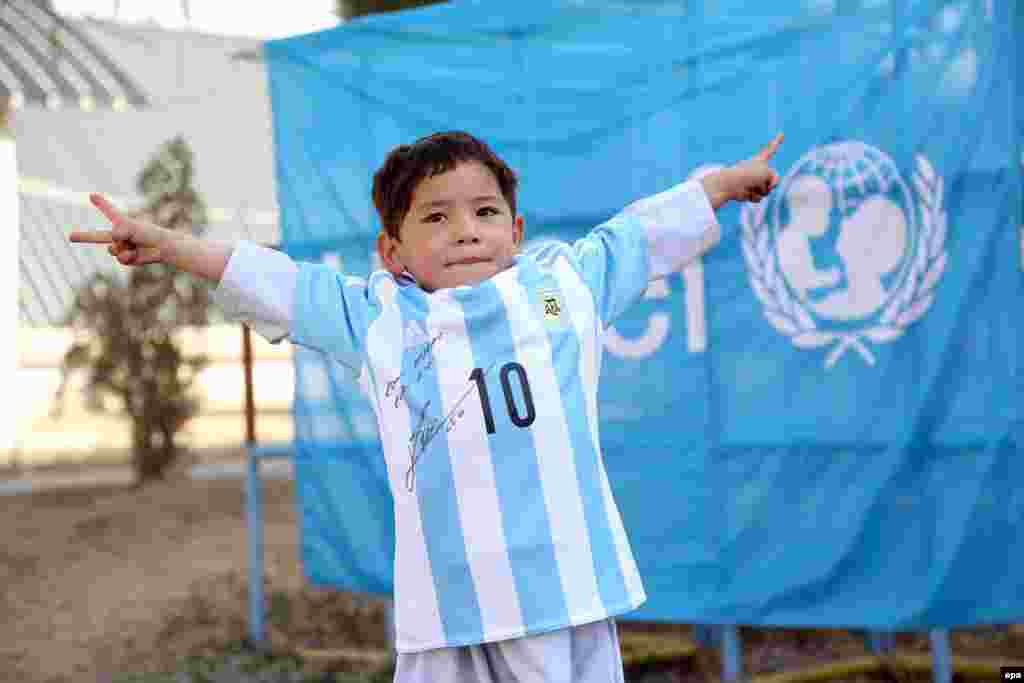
x,y
487,211
433,218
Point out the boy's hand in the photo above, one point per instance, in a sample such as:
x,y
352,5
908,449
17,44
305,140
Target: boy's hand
x,y
132,242
749,180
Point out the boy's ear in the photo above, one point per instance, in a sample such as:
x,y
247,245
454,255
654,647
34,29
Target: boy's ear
x,y
518,232
387,249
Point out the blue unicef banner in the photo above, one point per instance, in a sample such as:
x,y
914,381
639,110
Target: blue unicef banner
x,y
822,413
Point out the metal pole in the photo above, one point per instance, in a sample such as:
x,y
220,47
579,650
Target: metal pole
x,y
253,501
254,520
732,653
250,401
942,662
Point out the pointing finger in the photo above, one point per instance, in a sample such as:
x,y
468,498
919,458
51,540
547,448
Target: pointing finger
x,y
92,236
769,150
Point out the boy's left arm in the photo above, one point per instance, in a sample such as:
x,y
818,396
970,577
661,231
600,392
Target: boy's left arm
x,y
661,234
680,223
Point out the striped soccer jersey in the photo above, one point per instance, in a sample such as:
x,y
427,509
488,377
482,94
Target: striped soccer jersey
x,y
486,400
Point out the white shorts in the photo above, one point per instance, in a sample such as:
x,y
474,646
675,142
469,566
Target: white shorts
x,y
579,654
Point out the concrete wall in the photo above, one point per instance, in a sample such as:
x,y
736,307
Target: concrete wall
x,y
80,437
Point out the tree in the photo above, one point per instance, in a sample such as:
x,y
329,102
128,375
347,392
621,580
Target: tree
x,y
125,327
5,115
350,9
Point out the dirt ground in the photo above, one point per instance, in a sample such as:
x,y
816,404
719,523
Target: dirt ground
x,y
99,581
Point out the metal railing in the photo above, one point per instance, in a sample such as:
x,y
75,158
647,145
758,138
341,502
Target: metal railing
x,y
254,523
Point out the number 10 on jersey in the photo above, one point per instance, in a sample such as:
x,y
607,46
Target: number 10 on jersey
x,y
518,419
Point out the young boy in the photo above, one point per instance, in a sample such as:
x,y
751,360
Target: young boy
x,y
511,561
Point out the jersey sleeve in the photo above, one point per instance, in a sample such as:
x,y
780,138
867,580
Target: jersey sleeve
x,y
310,304
647,240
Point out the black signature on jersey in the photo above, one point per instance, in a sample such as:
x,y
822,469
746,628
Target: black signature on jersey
x,y
427,428
423,361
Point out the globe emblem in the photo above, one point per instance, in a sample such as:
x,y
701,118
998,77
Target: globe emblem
x,y
844,225
847,254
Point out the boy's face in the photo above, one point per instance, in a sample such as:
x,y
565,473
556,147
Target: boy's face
x,y
459,230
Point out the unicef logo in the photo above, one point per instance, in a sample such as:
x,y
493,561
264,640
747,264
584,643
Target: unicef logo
x,y
846,252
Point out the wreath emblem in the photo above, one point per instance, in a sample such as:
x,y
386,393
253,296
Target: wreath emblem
x,y
908,303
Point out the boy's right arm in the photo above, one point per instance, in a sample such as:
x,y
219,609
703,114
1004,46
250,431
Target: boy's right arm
x,y
135,242
313,305
255,285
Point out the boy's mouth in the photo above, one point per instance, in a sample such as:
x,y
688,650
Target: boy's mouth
x,y
468,261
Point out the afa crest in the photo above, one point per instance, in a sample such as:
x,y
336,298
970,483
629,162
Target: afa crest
x,y
550,301
846,253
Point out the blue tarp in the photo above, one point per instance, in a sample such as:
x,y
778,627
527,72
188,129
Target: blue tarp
x,y
820,424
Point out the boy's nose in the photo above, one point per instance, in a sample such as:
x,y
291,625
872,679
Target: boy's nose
x,y
465,231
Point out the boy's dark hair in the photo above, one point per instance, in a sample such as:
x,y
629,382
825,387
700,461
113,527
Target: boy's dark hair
x,y
407,165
